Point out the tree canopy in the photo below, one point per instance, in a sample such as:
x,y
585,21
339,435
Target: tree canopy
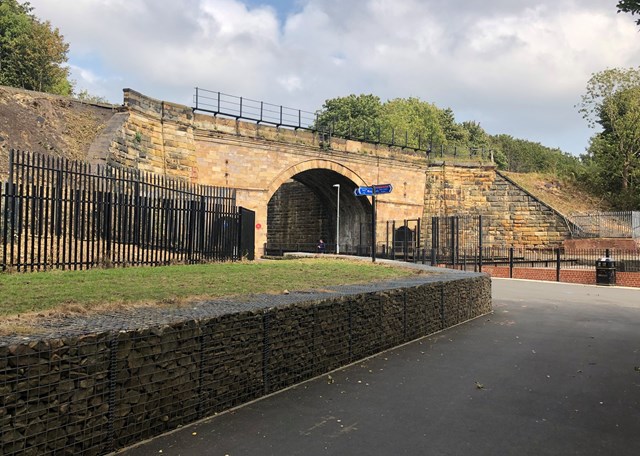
x,y
33,54
418,124
612,102
629,6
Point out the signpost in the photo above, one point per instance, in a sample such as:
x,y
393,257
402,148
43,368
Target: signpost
x,y
369,191
372,191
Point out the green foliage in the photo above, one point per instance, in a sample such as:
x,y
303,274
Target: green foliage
x,y
85,96
454,133
351,116
419,124
524,156
32,53
612,102
629,6
602,172
402,121
475,133
411,122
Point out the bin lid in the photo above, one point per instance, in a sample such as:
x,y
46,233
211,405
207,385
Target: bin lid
x,y
605,262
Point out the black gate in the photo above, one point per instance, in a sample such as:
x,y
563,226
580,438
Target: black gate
x,y
247,235
456,240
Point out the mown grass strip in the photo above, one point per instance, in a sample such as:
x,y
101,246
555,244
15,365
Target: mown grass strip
x,y
37,292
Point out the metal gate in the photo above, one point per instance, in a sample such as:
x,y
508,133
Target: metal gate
x,y
247,235
456,240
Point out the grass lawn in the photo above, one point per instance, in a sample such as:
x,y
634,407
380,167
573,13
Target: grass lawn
x,y
84,291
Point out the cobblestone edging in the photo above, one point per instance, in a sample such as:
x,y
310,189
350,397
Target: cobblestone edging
x,y
94,384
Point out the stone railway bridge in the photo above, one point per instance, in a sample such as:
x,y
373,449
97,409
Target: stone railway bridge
x,y
287,177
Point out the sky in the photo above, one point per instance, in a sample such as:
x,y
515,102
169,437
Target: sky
x,y
518,67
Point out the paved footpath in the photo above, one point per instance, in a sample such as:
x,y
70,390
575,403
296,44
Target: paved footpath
x,y
555,370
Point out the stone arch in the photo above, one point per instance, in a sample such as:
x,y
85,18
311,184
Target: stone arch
x,y
309,165
302,208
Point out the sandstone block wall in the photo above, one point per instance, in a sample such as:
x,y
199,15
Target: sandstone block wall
x,y
256,160
297,216
511,215
154,136
92,394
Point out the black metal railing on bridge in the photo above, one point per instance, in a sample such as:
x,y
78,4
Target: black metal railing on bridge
x,y
233,106
253,110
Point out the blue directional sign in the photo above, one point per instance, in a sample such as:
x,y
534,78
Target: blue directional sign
x,y
363,191
383,188
368,191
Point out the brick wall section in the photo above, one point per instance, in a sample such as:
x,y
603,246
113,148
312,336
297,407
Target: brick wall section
x,y
580,276
96,393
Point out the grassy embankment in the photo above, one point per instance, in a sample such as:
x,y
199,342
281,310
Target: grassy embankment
x,y
101,289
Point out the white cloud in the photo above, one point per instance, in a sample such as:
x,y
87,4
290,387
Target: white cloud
x,y
516,66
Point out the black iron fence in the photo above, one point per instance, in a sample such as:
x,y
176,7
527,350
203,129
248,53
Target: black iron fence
x,y
62,214
253,110
236,107
558,258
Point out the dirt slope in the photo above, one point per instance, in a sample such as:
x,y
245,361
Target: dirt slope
x,y
565,197
39,122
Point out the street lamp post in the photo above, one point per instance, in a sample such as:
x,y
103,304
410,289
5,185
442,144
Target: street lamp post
x,y
338,220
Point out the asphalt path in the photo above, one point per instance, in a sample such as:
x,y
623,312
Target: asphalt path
x,y
554,370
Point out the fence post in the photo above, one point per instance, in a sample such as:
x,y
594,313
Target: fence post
x,y
405,241
418,234
511,262
557,264
480,243
386,242
393,240
453,240
434,239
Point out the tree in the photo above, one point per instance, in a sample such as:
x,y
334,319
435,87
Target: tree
x,y
524,156
402,121
411,122
612,101
351,116
629,6
32,53
454,133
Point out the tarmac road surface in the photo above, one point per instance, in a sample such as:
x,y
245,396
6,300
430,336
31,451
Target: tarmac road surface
x,y
555,370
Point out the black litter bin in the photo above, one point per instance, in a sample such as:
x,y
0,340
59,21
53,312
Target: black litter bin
x,y
605,271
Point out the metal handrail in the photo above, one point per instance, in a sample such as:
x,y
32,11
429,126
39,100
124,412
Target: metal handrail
x,y
236,107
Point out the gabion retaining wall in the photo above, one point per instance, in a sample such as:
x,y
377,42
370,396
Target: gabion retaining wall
x,y
93,393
